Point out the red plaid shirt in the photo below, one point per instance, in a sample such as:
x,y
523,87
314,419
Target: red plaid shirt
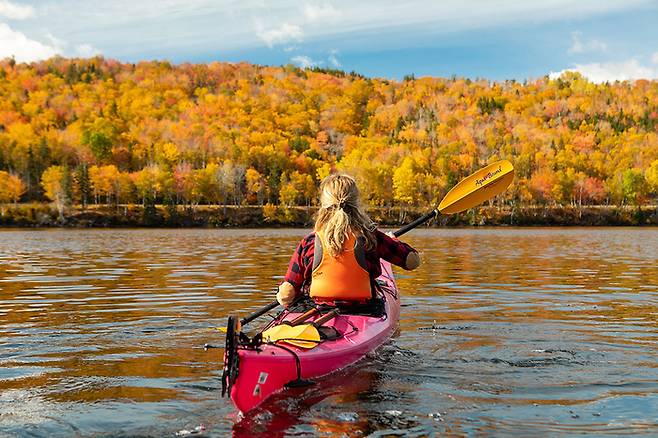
x,y
388,248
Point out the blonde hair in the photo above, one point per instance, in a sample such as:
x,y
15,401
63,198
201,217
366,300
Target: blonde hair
x,y
341,214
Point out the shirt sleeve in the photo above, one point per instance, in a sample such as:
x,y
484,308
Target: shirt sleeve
x,y
393,250
298,265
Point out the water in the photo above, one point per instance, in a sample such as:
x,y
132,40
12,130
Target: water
x,y
502,331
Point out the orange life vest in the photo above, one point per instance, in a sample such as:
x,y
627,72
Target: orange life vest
x,y
340,278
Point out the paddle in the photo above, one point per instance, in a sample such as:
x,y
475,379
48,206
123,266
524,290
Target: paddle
x,y
469,192
473,190
247,319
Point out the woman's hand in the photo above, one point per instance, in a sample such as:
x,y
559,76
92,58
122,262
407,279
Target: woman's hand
x,y
413,260
286,294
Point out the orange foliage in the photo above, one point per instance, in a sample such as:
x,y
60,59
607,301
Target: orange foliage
x,y
248,134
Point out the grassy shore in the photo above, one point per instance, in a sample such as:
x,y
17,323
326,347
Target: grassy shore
x,y
45,215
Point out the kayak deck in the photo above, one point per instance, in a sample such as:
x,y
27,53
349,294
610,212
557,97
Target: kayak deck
x,y
265,369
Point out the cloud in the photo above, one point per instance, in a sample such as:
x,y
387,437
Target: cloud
x,y
304,61
654,58
79,50
283,34
580,46
630,69
320,12
14,11
23,49
333,60
288,32
86,50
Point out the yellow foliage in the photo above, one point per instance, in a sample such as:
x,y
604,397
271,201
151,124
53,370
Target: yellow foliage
x,y
230,132
11,187
404,184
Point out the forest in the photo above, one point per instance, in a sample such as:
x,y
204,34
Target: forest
x,y
76,132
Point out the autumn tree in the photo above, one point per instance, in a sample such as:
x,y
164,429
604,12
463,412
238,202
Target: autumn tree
x,y
56,183
183,180
82,189
207,184
150,182
405,188
11,188
255,186
651,177
105,182
633,185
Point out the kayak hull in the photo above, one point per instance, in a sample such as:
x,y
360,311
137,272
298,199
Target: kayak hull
x,y
269,368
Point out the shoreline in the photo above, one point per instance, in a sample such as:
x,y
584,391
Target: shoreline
x,y
231,216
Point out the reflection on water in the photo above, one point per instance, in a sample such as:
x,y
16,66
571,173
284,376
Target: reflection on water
x,y
502,330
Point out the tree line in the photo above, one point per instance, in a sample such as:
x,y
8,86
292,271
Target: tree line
x,y
100,131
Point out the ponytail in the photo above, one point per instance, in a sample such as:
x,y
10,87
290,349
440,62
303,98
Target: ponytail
x,y
341,214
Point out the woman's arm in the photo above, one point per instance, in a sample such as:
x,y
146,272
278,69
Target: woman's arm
x,y
291,287
396,252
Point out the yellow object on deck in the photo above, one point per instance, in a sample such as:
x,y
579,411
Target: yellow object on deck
x,y
302,336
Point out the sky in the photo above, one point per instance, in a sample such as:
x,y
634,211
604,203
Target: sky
x,y
605,40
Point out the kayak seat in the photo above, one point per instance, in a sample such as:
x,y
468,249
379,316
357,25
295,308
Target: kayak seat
x,y
373,307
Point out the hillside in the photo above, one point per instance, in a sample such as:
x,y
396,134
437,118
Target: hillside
x,y
99,131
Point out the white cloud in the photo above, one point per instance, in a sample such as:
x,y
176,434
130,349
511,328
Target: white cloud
x,y
321,12
630,69
304,61
15,11
283,34
23,49
580,46
654,58
86,50
333,60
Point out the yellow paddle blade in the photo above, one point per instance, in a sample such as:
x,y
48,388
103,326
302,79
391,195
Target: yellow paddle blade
x,y
303,336
478,187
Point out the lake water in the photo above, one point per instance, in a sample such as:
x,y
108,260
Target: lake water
x,y
502,331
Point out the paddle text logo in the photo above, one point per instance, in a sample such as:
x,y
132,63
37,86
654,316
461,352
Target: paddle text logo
x,y
489,175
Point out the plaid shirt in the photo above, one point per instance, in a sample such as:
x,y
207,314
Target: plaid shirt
x,y
388,248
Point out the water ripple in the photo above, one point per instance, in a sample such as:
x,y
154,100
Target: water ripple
x,y
554,333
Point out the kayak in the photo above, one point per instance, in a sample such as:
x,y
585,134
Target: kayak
x,y
256,367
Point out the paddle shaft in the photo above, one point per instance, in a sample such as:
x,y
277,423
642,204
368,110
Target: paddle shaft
x,y
273,305
421,220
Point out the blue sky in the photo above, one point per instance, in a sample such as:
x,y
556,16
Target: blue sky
x,y
493,39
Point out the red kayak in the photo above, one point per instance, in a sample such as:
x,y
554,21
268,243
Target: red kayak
x,y
255,368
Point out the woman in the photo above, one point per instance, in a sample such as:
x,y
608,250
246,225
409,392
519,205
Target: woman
x,y
340,260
